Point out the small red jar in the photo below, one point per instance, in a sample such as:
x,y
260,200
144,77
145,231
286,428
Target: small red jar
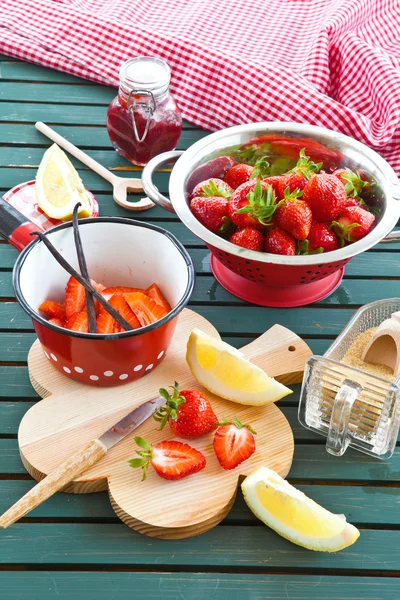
x,y
144,119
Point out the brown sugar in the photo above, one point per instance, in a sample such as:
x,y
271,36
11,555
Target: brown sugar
x,y
354,353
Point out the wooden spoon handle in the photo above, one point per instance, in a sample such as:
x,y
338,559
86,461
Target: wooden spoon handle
x,y
87,456
82,156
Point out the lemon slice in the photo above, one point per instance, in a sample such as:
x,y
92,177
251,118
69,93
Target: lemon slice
x,y
294,516
59,187
223,370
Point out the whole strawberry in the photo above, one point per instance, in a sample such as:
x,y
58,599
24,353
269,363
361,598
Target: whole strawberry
x,y
238,174
294,216
279,241
252,205
249,238
211,188
353,184
212,212
353,224
297,177
188,412
242,172
274,181
320,239
326,196
233,443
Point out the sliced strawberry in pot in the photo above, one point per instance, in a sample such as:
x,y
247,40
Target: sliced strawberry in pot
x,y
119,290
58,322
146,310
75,299
54,310
78,322
105,322
100,288
155,294
123,308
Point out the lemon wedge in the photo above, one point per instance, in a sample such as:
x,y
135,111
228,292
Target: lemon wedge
x,y
224,371
59,187
295,516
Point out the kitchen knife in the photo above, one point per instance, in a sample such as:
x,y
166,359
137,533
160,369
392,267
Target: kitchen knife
x,y
79,462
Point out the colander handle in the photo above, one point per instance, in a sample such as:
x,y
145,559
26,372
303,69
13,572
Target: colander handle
x,y
338,440
147,178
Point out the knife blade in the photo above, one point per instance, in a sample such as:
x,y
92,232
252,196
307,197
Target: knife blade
x,y
129,423
79,462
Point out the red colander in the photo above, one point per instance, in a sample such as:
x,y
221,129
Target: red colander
x,y
271,279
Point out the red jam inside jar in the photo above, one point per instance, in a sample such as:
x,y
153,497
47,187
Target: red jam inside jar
x,y
144,119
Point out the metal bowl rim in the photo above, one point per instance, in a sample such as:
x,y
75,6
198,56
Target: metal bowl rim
x,y
192,157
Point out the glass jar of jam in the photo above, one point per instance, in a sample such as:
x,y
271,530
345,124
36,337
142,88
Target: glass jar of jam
x,y
144,119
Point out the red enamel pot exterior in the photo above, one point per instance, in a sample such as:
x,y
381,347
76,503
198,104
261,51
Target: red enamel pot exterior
x,y
118,252
105,362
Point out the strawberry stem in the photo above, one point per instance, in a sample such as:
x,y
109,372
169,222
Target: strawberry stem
x,y
212,189
261,169
262,203
303,248
145,454
169,412
237,423
305,166
344,231
353,184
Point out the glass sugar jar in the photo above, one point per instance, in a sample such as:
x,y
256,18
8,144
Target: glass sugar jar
x,y
144,119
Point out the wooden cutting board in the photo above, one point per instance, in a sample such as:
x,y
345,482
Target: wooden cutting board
x,y
72,414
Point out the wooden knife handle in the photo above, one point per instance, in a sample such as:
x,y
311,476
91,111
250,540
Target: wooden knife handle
x,y
89,454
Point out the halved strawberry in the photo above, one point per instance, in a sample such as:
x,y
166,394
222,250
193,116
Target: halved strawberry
x,y
146,310
105,322
233,443
78,322
75,299
58,322
155,294
170,459
122,307
54,310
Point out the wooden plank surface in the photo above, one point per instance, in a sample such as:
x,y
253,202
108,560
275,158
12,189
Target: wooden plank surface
x,y
78,533
223,547
175,586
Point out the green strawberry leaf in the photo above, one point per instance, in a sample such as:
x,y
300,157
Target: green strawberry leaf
x,y
306,166
261,169
353,184
302,248
212,189
262,203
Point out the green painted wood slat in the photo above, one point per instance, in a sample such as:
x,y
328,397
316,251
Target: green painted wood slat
x,y
207,289
74,114
368,264
232,319
361,504
11,414
199,586
311,463
82,136
14,346
224,547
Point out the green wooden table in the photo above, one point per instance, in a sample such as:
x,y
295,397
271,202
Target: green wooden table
x,y
74,546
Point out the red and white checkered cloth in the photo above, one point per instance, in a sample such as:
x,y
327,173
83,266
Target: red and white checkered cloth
x,y
334,63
